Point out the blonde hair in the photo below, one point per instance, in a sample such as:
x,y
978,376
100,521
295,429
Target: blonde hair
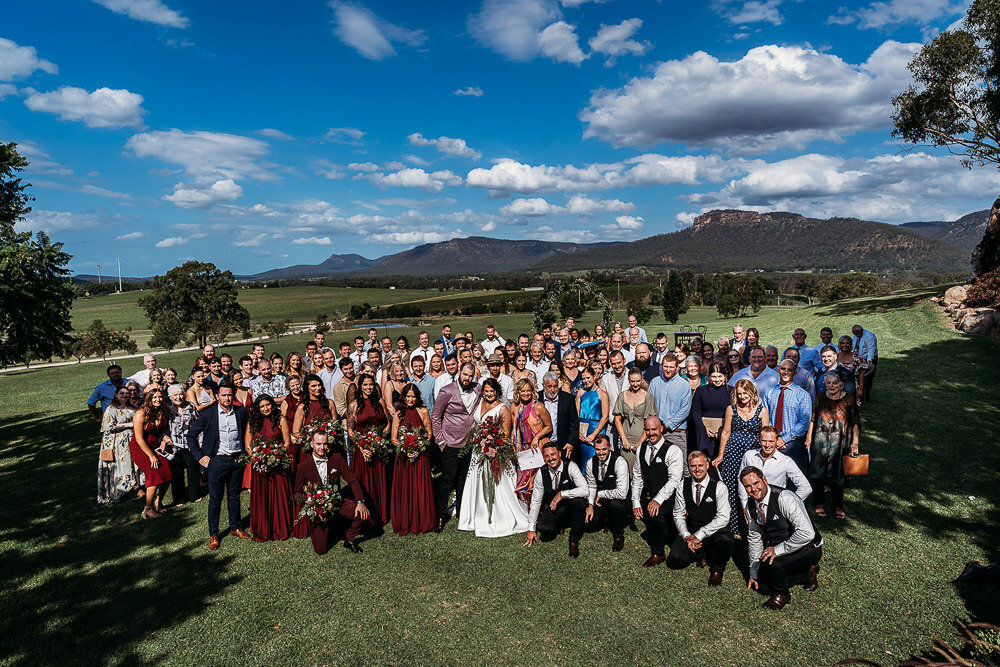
x,y
521,384
748,387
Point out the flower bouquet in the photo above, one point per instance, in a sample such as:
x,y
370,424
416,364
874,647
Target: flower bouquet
x,y
334,431
375,442
412,442
496,452
320,502
263,456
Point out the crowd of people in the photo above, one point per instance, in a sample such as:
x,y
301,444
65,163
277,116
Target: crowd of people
x,y
712,445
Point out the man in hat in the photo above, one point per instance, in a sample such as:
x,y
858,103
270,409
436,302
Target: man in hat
x,y
494,363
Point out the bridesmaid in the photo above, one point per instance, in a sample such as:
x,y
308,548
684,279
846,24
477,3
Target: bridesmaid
x,y
593,406
148,425
533,427
364,413
413,510
288,407
312,404
271,500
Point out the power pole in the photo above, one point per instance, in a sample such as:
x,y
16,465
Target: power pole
x,y
119,260
619,293
98,274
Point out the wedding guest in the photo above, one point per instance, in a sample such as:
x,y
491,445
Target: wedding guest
x,y
449,376
329,374
294,366
116,473
752,341
789,408
632,407
778,468
656,476
607,499
563,414
327,468
494,365
762,377
424,382
672,395
314,405
802,377
436,367
227,363
708,410
740,433
562,502
424,350
615,380
738,341
343,391
156,381
134,394
181,415
633,323
392,386
808,358
520,370
199,395
828,357
785,547
701,516
643,361
271,500
403,350
215,376
368,413
222,444
268,383
208,351
451,421
692,373
593,408
835,433
734,363
149,424
771,357
142,377
825,338
170,376
532,427
412,498
849,358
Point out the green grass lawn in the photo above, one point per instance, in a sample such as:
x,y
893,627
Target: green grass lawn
x,y
83,583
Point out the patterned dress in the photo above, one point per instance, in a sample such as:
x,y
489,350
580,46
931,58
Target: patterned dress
x,y
528,424
120,476
833,428
744,435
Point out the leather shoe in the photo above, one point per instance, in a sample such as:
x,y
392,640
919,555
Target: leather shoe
x,y
214,542
574,550
702,562
777,602
715,579
618,544
811,583
353,547
440,526
654,560
240,533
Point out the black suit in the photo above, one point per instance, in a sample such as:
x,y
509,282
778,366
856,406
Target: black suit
x,y
225,472
567,423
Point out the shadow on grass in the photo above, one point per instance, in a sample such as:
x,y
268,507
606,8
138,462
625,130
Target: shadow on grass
x,y
871,305
82,582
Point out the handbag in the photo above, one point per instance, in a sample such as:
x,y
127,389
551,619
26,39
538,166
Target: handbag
x,y
107,455
855,465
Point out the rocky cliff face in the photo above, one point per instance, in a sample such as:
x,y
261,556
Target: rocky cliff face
x,y
736,217
986,256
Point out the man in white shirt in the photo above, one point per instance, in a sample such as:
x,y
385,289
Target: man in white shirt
x,y
615,381
662,344
330,373
450,374
825,338
423,351
656,476
617,344
607,499
359,355
633,323
142,377
778,468
738,341
701,515
757,372
495,364
492,341
537,363
559,500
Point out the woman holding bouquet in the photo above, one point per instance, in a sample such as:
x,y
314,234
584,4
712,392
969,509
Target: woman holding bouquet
x,y
288,408
367,414
271,500
413,510
533,425
490,506
313,405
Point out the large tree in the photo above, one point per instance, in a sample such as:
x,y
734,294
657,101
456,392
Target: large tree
x,y
35,291
199,299
674,301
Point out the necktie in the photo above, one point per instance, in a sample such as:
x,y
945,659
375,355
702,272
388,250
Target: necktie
x,y
697,494
603,466
763,514
778,416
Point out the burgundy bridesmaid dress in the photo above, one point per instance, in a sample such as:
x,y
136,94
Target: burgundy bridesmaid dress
x,y
271,500
373,474
413,509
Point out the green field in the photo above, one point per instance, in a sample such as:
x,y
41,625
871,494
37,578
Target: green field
x,y
83,583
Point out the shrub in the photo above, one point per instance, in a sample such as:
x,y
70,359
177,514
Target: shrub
x,y
985,291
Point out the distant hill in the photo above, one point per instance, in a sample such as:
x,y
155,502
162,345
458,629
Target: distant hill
x,y
966,232
727,240
332,264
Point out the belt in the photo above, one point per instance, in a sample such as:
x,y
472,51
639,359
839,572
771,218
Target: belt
x,y
226,456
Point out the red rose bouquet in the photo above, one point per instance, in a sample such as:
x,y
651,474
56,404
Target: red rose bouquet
x,y
412,442
334,431
263,456
495,451
375,442
320,502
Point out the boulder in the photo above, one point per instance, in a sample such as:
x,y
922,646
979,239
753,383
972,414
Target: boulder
x,y
977,322
986,256
955,295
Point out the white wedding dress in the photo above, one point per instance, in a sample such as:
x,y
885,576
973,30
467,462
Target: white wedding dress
x,y
509,515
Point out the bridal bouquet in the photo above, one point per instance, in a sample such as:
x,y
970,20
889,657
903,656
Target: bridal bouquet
x,y
263,456
320,502
374,441
412,442
334,431
495,448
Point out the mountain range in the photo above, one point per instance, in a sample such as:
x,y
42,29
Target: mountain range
x,y
966,232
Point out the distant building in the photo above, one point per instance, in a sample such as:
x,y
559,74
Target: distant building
x,y
533,289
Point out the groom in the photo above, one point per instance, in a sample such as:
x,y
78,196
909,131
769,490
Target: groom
x,y
451,422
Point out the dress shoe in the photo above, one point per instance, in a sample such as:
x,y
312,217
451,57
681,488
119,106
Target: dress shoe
x,y
574,550
777,602
618,544
702,562
240,533
654,560
213,542
715,579
811,582
440,526
353,547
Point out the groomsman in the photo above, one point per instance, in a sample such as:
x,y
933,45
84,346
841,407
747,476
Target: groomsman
x,y
784,545
559,499
322,469
656,476
701,514
607,484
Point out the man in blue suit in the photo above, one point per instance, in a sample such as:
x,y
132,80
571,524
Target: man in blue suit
x,y
222,428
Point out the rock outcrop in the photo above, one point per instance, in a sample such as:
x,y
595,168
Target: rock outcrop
x,y
986,256
979,321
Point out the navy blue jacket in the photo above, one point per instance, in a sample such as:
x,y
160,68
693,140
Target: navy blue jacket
x,y
207,425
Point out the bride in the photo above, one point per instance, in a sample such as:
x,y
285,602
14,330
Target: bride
x,y
506,514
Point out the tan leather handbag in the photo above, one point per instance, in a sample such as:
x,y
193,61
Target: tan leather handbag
x,y
855,465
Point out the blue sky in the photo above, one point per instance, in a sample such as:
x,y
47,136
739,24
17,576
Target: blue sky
x,y
262,134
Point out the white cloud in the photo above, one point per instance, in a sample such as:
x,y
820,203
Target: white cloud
x,y
582,205
530,207
52,222
253,241
880,15
757,11
313,240
577,3
131,236
363,166
210,156
413,159
368,34
104,192
774,96
414,178
559,42
7,90
327,169
204,195
471,91
344,135
172,241
102,108
412,237
272,133
616,40
629,222
488,226
151,11
446,145
40,162
17,62
513,28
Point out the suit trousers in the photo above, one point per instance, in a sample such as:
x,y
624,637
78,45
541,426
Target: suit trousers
x,y
225,476
454,468
869,379
717,549
611,513
322,532
679,437
184,461
660,529
569,512
787,570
